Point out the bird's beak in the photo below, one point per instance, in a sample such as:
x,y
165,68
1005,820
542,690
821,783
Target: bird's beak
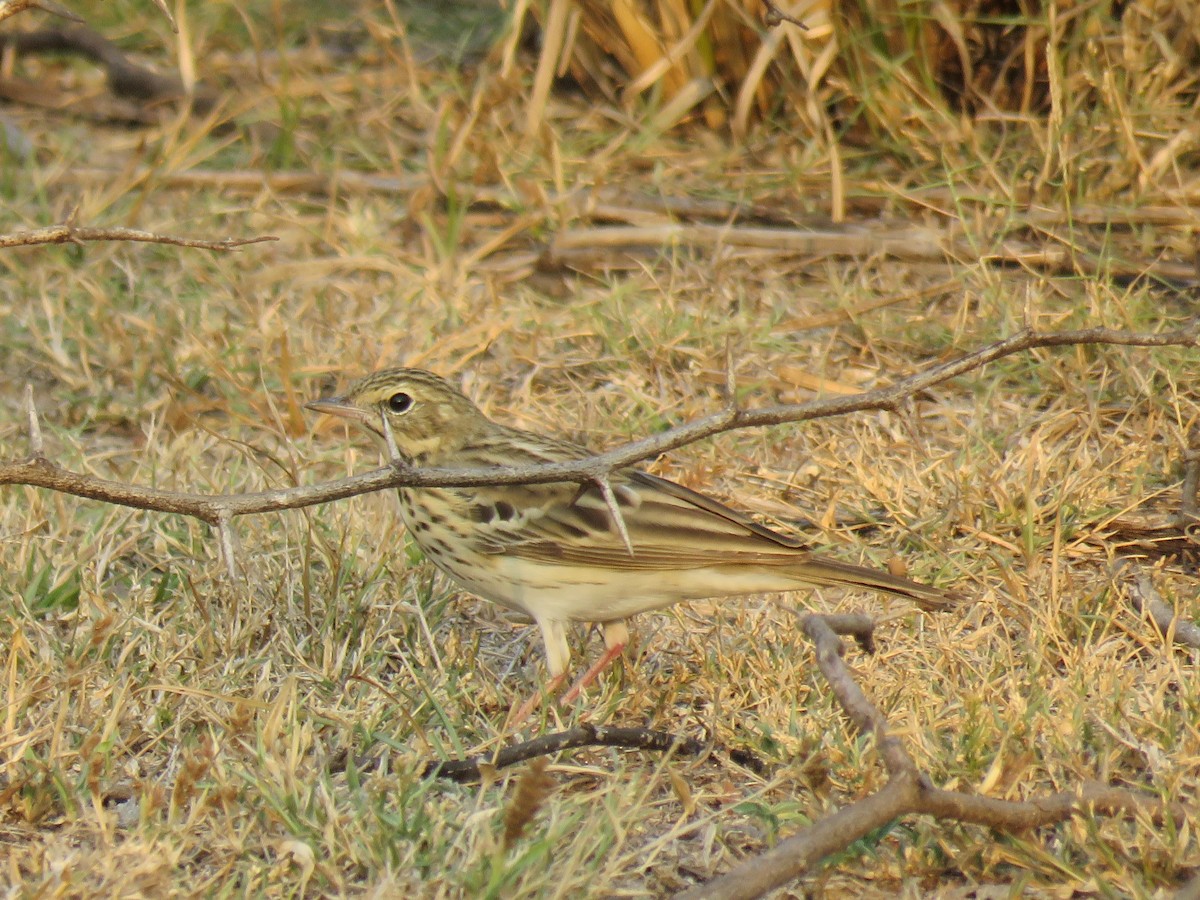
x,y
340,406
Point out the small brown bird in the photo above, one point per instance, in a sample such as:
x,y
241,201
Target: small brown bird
x,y
556,551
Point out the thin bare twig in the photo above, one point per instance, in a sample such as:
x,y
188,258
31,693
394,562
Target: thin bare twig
x,y
862,712
614,510
12,7
658,221
619,204
225,535
68,233
40,472
859,626
37,448
389,439
776,16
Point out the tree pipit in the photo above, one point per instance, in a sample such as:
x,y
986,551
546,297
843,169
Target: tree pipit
x,y
568,552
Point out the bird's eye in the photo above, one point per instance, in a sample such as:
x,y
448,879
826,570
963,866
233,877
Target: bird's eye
x,y
399,402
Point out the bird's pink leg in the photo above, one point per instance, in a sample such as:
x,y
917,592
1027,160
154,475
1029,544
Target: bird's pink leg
x,y
558,657
616,636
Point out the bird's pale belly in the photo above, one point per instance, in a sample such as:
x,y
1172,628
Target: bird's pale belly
x,y
572,594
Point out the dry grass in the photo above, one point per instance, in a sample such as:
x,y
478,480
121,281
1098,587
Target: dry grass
x,y
167,734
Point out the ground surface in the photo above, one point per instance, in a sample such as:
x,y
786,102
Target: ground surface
x,y
167,733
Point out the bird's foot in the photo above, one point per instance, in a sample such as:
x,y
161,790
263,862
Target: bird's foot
x,y
610,653
518,715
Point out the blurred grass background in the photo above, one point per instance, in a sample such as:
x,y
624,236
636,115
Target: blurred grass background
x,y
167,733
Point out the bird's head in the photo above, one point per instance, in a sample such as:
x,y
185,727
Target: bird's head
x,y
417,412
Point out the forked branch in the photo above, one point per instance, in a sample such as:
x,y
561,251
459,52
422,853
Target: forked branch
x,y
908,792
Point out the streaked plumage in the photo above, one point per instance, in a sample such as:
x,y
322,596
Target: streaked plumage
x,y
553,551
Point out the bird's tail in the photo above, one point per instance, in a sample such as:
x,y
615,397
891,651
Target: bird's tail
x,y
819,570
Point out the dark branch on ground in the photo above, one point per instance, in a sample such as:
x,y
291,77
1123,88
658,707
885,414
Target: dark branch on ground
x,y
580,736
476,767
125,79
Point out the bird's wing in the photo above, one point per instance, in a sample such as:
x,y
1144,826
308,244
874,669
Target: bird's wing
x,y
669,527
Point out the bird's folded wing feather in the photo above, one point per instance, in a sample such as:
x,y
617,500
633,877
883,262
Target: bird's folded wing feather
x,y
669,527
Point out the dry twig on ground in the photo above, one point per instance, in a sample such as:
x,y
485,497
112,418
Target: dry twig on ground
x,y
70,233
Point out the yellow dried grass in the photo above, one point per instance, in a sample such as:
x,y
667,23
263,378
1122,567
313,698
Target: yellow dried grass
x,y
974,56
